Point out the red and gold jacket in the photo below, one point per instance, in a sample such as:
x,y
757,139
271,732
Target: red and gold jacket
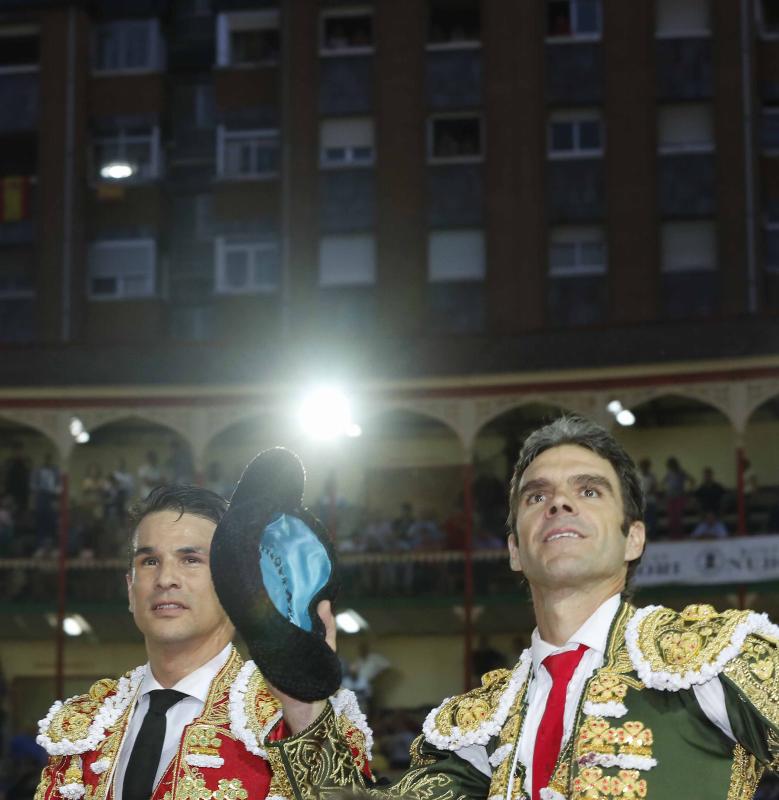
x,y
221,755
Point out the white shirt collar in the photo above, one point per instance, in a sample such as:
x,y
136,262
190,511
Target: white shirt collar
x,y
197,683
594,633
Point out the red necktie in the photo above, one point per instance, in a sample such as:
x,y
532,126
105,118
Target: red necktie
x,y
561,667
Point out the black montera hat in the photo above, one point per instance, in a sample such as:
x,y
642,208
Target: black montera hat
x,y
272,562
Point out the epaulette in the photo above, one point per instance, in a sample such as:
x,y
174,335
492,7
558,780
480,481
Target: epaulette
x,y
672,650
79,724
478,715
755,672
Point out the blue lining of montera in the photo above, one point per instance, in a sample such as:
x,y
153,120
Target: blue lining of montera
x,y
294,565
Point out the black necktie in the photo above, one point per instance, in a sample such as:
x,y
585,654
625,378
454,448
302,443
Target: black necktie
x,y
145,755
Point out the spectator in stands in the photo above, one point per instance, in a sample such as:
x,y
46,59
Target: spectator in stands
x,y
6,526
425,534
649,485
94,492
455,526
485,658
675,485
179,467
149,474
751,488
710,527
490,501
46,486
125,487
216,482
709,494
17,478
367,667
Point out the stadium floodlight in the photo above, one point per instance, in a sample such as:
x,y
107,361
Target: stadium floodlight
x,y
350,621
116,171
83,437
626,417
76,427
614,407
326,414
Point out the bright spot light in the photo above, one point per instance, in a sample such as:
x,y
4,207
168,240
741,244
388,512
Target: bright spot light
x,y
116,170
326,414
71,626
614,407
626,417
350,621
75,625
76,426
354,430
83,437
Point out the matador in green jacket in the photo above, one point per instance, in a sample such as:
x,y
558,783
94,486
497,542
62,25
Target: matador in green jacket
x,y
609,701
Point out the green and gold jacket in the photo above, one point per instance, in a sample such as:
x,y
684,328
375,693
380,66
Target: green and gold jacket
x,y
639,731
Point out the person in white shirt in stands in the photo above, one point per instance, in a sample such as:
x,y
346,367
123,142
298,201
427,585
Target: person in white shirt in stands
x,y
609,700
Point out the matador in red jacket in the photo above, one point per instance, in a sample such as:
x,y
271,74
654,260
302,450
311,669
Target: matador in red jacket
x,y
221,713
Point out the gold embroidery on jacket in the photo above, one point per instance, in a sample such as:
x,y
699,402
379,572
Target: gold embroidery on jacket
x,y
679,642
755,671
230,790
467,712
509,737
744,775
596,735
592,784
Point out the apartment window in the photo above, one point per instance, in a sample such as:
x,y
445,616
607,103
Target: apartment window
x,y
19,49
16,274
16,193
573,19
688,246
15,287
576,252
346,31
768,16
769,129
347,260
246,266
128,45
247,153
575,134
122,269
346,142
453,24
455,255
771,245
137,147
455,137
685,128
245,38
682,18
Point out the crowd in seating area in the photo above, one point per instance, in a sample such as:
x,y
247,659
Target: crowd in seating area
x,y
679,506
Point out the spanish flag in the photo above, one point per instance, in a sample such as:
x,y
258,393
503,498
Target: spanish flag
x,y
14,198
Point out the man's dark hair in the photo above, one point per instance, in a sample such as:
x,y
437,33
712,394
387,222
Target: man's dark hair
x,y
181,498
582,432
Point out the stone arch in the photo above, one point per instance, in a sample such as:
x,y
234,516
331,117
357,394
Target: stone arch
x,y
237,437
759,442
489,410
45,425
409,452
682,423
119,434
